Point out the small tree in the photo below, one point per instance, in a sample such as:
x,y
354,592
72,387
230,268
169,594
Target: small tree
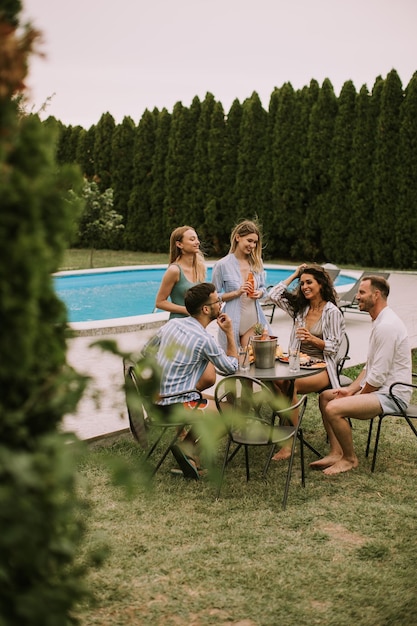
x,y
99,222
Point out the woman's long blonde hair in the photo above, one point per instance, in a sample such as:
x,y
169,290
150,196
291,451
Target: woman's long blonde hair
x,y
175,253
247,228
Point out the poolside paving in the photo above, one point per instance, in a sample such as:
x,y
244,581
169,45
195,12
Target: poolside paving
x,y
102,410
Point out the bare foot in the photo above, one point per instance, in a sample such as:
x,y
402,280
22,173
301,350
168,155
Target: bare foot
x,y
341,466
326,461
282,454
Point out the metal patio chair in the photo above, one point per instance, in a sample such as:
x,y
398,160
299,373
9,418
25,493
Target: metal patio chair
x,y
251,410
408,415
145,417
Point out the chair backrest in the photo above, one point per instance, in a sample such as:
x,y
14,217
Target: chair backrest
x,y
332,272
134,405
342,354
248,396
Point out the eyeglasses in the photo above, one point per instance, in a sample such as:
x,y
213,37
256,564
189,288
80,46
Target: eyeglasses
x,y
219,301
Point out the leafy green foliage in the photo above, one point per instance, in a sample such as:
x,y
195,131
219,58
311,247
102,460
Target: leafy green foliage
x,y
99,222
40,501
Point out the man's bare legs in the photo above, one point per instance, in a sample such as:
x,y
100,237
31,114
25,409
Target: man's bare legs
x,y
335,410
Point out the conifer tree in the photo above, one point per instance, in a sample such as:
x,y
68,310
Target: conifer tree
x,y
287,141
404,240
229,173
250,158
160,233
215,221
103,151
85,152
306,99
122,165
386,171
360,215
68,142
140,210
337,207
320,137
200,193
179,165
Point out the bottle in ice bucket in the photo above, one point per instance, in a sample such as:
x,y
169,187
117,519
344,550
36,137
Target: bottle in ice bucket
x,y
251,280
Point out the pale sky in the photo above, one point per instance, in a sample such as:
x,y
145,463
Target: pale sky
x,y
130,55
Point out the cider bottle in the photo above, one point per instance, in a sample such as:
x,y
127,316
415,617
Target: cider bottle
x,y
251,281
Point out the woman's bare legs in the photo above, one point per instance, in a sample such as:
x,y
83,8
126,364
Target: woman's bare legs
x,y
244,339
335,452
301,386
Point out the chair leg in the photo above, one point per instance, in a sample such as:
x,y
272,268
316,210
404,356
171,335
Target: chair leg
x,y
310,447
165,454
247,463
368,443
268,460
289,471
411,425
378,432
303,473
226,454
155,443
235,451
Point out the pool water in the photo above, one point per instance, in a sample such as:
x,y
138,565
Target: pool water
x,y
124,293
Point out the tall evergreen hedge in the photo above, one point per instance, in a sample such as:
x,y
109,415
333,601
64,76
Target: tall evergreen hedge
x,y
331,178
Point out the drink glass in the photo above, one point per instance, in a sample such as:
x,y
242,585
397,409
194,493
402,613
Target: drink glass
x,y
243,359
299,325
294,359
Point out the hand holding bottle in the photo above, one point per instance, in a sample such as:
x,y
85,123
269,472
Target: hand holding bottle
x,y
250,285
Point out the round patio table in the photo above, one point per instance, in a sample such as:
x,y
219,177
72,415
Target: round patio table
x,y
281,371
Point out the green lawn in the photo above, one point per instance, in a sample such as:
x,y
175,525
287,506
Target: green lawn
x,y
79,258
342,553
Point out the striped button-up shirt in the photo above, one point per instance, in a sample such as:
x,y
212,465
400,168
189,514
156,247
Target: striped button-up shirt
x,y
185,348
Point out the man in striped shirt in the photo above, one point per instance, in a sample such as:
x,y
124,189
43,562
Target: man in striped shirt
x,y
189,355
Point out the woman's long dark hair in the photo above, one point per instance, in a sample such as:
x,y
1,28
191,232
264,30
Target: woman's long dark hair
x,y
296,298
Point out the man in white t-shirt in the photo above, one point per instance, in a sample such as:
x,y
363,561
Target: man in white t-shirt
x,y
388,361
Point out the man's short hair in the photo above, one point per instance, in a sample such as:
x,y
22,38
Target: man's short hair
x,y
197,296
380,283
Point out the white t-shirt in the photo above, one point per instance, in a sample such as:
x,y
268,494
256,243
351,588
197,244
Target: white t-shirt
x,y
389,355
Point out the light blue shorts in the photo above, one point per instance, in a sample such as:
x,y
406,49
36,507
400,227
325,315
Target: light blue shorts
x,y
388,405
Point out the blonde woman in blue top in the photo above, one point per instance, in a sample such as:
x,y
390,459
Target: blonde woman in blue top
x,y
230,276
186,269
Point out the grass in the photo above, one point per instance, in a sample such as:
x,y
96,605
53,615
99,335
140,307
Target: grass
x,y
342,553
79,258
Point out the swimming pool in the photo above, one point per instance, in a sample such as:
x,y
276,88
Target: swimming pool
x,y
125,292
